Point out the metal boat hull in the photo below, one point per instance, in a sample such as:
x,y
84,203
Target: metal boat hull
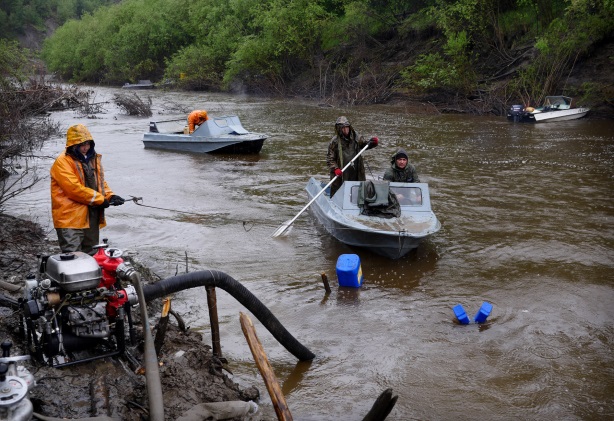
x,y
392,238
143,84
240,144
217,135
562,115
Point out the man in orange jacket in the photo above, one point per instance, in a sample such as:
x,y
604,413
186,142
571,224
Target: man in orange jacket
x,y
196,118
79,193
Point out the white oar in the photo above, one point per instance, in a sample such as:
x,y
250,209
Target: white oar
x,y
287,224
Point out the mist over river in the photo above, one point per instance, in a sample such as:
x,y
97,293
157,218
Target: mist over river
x,y
527,225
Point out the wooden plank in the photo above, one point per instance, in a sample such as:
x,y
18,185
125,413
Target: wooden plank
x,y
262,362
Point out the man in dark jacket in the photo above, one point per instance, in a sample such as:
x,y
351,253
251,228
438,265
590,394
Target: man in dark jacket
x,y
343,147
401,170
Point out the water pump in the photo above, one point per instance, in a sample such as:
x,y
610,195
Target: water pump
x,y
77,304
15,383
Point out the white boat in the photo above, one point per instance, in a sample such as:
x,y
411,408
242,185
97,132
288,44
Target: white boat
x,y
143,84
555,108
392,237
223,134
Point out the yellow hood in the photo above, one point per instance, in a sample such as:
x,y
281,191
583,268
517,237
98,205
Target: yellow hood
x,y
77,134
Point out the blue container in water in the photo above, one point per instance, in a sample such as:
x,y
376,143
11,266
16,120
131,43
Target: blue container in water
x,y
483,312
460,314
349,272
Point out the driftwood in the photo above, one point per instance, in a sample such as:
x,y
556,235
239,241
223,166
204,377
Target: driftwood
x,y
133,104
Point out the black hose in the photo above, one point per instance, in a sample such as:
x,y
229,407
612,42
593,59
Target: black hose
x,y
240,293
9,302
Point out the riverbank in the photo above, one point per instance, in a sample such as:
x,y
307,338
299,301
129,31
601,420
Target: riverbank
x,y
189,372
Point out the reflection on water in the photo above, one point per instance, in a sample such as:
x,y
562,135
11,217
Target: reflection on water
x,y
527,219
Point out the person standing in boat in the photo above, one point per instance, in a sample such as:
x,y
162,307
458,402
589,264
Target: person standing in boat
x,y
79,193
400,169
196,118
343,147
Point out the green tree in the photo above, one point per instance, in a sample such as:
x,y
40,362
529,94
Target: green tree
x,y
568,38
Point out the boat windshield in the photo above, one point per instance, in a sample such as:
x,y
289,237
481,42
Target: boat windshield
x,y
560,102
407,196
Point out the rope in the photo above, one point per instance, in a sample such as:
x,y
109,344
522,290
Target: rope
x,y
136,200
247,225
369,168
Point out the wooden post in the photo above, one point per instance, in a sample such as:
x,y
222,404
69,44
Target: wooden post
x,y
326,284
262,362
162,325
215,325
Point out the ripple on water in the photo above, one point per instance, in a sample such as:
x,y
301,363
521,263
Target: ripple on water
x,y
526,213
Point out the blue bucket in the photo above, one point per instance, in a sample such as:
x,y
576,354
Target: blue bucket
x,y
349,271
460,314
483,312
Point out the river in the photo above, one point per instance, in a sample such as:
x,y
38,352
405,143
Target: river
x,y
527,225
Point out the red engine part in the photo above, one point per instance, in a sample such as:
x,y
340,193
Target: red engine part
x,y
116,301
108,260
100,256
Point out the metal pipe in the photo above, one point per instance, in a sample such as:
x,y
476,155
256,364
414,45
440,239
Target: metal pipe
x,y
152,373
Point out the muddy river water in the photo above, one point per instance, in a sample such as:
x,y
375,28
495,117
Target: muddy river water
x,y
527,216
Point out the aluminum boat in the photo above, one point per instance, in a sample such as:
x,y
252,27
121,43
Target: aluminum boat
x,y
393,237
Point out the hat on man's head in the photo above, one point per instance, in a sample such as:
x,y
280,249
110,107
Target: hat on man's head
x,y
342,121
77,134
401,154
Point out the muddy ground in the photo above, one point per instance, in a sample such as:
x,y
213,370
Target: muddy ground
x,y
190,373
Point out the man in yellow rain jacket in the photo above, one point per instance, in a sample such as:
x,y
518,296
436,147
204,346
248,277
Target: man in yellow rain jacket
x,y
79,193
196,118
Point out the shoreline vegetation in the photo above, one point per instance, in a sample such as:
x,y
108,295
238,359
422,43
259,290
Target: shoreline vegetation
x,y
461,56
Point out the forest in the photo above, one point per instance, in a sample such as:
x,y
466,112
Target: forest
x,y
474,55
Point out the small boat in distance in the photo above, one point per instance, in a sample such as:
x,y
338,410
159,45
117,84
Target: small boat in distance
x,y
143,84
555,108
391,237
223,134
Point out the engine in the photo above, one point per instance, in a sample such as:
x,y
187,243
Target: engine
x,y
516,113
76,306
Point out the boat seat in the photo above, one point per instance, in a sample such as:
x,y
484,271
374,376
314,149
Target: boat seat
x,y
376,199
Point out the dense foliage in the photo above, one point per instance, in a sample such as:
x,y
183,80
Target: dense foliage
x,y
351,51
549,36
17,15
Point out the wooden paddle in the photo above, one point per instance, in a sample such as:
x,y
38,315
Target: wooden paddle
x,y
284,227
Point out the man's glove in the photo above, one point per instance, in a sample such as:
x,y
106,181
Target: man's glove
x,y
373,141
104,204
116,200
338,172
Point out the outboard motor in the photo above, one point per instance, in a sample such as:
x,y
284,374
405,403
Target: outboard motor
x,y
76,305
516,113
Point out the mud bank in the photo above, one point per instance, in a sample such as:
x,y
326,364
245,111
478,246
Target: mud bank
x,y
190,373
